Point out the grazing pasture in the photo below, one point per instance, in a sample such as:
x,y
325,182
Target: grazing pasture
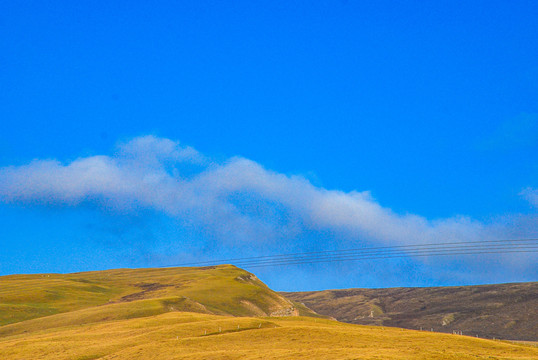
x,y
218,312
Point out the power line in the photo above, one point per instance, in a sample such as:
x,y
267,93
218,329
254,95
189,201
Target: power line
x,y
330,260
385,252
462,243
410,252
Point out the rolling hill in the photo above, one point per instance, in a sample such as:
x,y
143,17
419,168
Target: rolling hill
x,y
506,311
220,312
220,290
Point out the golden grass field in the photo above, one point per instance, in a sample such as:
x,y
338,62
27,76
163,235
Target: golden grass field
x,y
221,290
187,314
180,335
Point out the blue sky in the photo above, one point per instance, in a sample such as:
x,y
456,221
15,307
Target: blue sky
x,y
266,127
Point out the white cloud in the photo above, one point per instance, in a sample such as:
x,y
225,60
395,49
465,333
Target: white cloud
x,y
237,198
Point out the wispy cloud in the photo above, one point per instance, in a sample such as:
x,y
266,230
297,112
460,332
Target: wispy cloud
x,y
237,198
531,195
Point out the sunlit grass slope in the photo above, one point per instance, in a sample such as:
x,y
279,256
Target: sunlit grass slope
x,y
181,335
128,293
219,312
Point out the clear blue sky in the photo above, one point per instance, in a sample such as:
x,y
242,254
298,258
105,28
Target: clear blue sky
x,y
430,107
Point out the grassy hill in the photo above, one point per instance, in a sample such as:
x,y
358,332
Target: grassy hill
x,y
506,311
221,290
217,312
181,335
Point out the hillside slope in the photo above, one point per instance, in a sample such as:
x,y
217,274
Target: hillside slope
x,y
221,290
219,312
181,335
506,311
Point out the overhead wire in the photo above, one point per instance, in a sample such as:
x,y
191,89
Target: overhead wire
x,y
410,252
391,256
384,252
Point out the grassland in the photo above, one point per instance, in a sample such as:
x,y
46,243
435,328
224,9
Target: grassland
x,y
221,290
198,313
505,311
180,335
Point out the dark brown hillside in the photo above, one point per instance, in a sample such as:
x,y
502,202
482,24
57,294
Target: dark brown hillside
x,y
505,311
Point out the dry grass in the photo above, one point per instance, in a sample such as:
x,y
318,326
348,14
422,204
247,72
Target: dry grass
x,y
185,313
179,335
500,311
223,290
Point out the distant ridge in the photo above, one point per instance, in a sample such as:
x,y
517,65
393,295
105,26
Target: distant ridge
x,y
505,311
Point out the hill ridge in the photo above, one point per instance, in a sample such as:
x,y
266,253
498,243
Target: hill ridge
x,y
220,290
507,311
